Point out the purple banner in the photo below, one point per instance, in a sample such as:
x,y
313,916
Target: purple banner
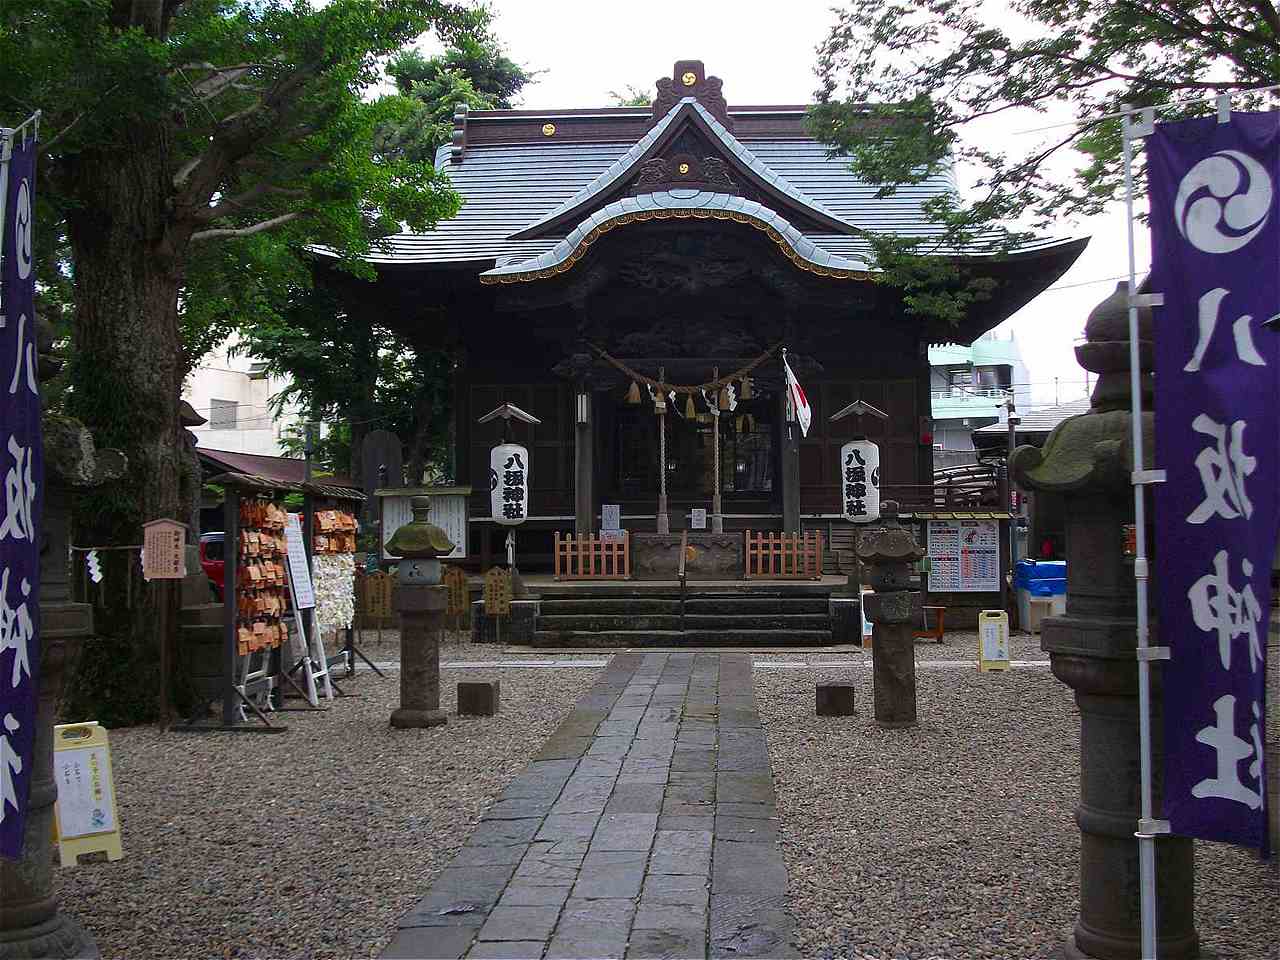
x,y
1215,225
22,475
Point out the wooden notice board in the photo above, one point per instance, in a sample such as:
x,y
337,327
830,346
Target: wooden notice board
x,y
497,592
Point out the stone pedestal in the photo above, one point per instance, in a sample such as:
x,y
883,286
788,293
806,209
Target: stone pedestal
x,y
1086,462
421,610
889,551
1091,650
478,698
31,924
893,656
517,629
835,700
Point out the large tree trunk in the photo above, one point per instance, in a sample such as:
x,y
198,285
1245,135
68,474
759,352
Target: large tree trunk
x,y
126,382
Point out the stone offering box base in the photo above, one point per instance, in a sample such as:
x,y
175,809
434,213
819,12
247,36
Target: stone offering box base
x,y
707,556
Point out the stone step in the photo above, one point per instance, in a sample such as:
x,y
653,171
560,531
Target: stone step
x,y
589,622
204,613
676,638
698,621
755,605
611,606
757,621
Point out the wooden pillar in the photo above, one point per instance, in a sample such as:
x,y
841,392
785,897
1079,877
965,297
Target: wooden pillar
x,y
790,466
584,462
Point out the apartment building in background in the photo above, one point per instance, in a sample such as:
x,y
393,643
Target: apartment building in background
x,y
233,393
969,387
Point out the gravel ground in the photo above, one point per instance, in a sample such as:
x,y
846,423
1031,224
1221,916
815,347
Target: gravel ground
x,y
305,844
956,839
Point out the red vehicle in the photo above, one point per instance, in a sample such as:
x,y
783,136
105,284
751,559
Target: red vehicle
x,y
213,561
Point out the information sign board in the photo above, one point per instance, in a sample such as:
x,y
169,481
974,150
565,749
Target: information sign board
x,y
698,518
163,550
497,592
964,556
299,572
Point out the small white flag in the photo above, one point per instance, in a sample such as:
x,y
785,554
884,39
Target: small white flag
x,y
799,402
95,566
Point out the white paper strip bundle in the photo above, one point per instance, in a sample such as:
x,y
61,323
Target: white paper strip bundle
x,y
334,584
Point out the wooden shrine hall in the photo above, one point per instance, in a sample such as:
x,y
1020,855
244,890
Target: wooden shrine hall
x,y
601,251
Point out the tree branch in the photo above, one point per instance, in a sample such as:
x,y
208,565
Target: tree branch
x,y
223,232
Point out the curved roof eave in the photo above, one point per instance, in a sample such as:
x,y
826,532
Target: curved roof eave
x,y
643,147
677,205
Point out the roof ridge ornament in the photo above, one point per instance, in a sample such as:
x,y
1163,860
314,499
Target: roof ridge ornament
x,y
689,79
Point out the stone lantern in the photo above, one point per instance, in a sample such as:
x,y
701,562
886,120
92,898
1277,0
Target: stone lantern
x,y
421,601
889,552
1087,461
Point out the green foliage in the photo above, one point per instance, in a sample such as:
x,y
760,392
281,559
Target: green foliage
x,y
901,80
212,140
475,54
631,96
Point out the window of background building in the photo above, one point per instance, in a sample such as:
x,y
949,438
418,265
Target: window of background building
x,y
222,414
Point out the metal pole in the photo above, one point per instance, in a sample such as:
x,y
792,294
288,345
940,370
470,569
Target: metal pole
x,y
1146,839
717,519
664,522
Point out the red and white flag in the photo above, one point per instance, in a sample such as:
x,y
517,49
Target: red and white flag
x,y
799,402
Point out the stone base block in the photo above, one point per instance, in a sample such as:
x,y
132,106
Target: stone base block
x,y
517,628
478,698
835,700
846,620
406,718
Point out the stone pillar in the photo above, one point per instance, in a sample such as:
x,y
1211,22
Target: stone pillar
x,y
30,923
421,602
584,465
889,551
1086,462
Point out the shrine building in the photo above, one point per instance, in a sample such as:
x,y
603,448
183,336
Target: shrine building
x,y
599,252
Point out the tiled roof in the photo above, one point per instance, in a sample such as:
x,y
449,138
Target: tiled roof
x,y
508,187
626,164
281,469
675,203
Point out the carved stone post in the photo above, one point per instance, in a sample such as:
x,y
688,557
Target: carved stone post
x,y
421,602
1087,462
30,923
889,551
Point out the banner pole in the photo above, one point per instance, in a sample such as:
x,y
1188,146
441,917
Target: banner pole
x,y
1146,839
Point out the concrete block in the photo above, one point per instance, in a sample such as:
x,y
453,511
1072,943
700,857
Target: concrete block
x,y
835,700
478,698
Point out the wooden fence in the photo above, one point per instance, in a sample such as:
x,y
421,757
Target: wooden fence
x,y
784,556
588,557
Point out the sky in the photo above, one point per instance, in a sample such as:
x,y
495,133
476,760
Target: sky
x,y
764,53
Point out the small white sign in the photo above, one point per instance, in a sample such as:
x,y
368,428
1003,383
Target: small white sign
x,y
698,518
610,517
85,792
299,572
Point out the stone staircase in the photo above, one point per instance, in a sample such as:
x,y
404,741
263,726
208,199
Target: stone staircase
x,y
700,618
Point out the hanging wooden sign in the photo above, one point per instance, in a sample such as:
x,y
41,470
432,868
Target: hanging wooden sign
x,y
497,592
456,580
509,483
860,481
164,550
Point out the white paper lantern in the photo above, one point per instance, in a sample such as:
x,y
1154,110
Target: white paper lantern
x,y
509,484
860,481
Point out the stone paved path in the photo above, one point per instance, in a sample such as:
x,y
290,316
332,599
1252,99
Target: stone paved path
x,y
646,828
